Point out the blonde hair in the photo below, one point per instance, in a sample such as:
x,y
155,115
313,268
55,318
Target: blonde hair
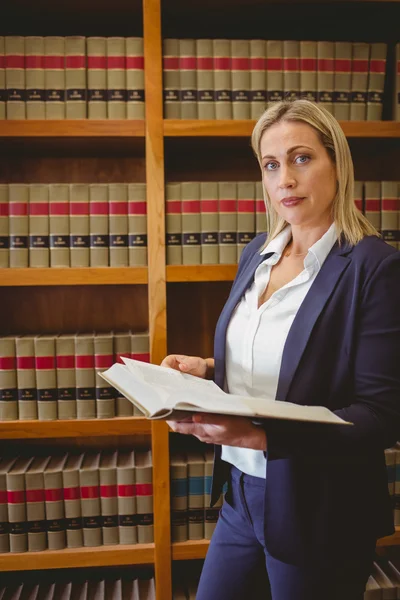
x,y
350,223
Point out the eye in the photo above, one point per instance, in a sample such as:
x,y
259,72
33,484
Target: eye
x,y
303,158
271,165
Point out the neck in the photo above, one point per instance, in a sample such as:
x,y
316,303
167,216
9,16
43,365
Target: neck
x,y
303,238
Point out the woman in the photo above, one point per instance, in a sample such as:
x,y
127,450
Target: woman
x,y
313,318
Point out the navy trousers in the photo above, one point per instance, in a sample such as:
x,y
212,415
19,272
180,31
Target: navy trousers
x,y
238,565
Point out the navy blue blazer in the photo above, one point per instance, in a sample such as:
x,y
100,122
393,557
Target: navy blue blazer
x,y
326,489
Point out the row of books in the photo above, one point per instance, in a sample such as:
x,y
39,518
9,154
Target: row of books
x,y
73,225
392,457
379,201
71,77
49,377
238,79
75,500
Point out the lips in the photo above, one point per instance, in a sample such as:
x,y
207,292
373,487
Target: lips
x,y
291,200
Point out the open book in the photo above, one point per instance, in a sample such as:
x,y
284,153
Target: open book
x,y
163,393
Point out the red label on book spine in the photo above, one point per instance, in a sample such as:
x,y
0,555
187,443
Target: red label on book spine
x,y
25,362
118,208
18,209
290,64
171,63
15,61
342,65
99,208
2,62
308,64
245,206
34,495
227,206
3,497
240,64
54,62
372,205
205,63
274,64
209,206
96,62
360,65
173,207
78,209
39,209
34,62
75,62
17,497
84,361
377,65
108,491
143,356
326,65
390,204
72,493
187,63
116,62
190,206
4,209
45,362
7,363
257,64
118,357
137,208
260,206
137,62
65,362
59,208
222,63
103,361
89,491
54,495
126,491
144,489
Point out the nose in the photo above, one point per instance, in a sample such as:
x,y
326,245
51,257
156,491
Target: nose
x,y
286,177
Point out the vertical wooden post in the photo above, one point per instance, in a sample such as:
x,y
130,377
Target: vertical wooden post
x,y
157,282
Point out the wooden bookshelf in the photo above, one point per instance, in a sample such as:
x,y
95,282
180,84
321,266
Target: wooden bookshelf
x,y
178,273
190,550
74,276
69,128
390,540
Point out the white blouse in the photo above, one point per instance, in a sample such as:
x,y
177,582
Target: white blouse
x,y
256,336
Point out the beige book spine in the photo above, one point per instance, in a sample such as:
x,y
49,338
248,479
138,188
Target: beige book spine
x,y
227,238
127,510
5,465
122,347
261,213
245,215
16,496
188,78
3,95
4,227
173,218
85,376
223,78
79,225
308,70
147,589
210,513
205,80
179,498
373,203
15,77
54,77
325,75
99,224
240,66
274,71
137,224
104,359
109,498
19,224
359,81
390,212
26,378
171,79
8,380
140,350
196,467
35,505
396,103
97,77
135,107
359,195
118,224
54,502
144,497
291,69
116,78
72,501
75,78
39,252
258,78
376,81
342,81
209,223
89,482
66,385
59,225
46,377
34,77
191,223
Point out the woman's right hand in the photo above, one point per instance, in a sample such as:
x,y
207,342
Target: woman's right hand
x,y
194,365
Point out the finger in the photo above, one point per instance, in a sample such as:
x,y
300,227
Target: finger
x,y
209,418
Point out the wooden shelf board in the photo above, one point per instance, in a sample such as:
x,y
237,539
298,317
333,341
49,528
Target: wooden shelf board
x,y
74,276
135,554
67,128
190,550
74,428
199,128
176,273
390,540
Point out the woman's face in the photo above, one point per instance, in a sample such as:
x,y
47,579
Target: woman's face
x,y
298,174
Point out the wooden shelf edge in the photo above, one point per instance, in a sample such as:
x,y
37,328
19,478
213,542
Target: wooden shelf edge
x,y
182,273
134,554
390,540
190,550
74,276
69,128
13,430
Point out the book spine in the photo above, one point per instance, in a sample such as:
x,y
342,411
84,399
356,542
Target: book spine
x,y
390,461
16,500
109,504
210,514
98,225
8,380
34,77
15,76
358,195
274,71
79,225
39,253
359,81
66,384
308,70
35,510
188,78
325,74
85,377
390,212
54,77
261,211
127,510
89,481
140,350
72,508
179,502
172,79
103,359
55,515
59,225
135,108
116,78
205,79
396,103
75,78
245,215
19,224
4,524
222,78
373,203
26,378
97,77
46,379
227,237
209,223
144,503
291,70
240,66
195,499
258,78
122,347
173,217
191,223
342,81
3,93
4,227
376,81
137,224
118,224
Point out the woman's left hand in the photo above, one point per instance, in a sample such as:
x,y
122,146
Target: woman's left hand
x,y
222,429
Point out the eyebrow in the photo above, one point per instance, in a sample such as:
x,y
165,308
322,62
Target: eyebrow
x,y
289,151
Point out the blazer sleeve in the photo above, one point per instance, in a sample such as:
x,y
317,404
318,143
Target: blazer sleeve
x,y
375,407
